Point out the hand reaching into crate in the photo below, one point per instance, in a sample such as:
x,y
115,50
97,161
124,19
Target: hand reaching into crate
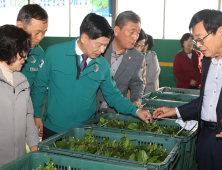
x,y
144,115
164,112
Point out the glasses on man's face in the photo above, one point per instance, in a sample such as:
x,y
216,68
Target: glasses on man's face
x,y
138,45
199,40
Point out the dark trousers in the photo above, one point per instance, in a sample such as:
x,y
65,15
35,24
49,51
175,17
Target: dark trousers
x,y
209,150
47,133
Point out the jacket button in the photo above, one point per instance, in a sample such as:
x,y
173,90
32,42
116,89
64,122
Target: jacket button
x,y
100,102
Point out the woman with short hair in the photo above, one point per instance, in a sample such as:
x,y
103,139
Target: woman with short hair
x,y
187,64
16,111
152,66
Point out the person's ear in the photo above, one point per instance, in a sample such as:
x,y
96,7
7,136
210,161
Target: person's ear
x,y
84,38
220,32
20,24
116,30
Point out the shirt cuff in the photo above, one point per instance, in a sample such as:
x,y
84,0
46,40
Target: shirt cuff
x,y
178,113
137,110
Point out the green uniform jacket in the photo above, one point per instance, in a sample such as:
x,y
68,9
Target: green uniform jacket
x,y
72,101
32,63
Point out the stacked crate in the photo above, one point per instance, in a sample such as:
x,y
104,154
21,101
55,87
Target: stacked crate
x,y
174,97
180,149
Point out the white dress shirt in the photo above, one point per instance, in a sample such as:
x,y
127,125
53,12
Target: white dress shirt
x,y
80,53
211,92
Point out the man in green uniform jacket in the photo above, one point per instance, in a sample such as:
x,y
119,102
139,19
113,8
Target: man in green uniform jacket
x,y
72,86
33,19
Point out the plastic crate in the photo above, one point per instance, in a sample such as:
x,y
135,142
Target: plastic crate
x,y
171,97
34,159
152,104
187,142
178,90
172,146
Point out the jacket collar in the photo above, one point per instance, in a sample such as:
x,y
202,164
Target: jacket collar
x,y
193,52
18,78
72,52
2,77
34,51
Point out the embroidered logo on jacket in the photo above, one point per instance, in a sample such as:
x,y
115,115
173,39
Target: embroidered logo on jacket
x,y
33,60
96,68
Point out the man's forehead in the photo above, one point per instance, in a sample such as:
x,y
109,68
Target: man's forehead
x,y
198,30
131,25
102,40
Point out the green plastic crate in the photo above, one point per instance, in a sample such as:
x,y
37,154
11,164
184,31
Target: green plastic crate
x,y
152,104
178,90
187,142
170,97
172,146
34,159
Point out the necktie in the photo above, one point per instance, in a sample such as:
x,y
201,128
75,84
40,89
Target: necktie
x,y
83,63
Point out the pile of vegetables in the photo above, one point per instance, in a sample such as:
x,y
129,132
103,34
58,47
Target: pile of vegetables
x,y
142,126
124,149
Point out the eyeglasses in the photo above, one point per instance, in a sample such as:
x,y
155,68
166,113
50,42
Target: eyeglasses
x,y
200,40
138,45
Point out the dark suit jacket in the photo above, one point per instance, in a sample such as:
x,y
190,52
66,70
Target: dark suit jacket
x,y
128,75
193,109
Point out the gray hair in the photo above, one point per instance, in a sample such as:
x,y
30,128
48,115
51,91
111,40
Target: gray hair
x,y
30,11
126,16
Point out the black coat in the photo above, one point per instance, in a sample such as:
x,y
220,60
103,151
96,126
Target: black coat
x,y
193,109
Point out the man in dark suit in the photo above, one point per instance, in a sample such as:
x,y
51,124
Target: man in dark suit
x,y
125,61
206,26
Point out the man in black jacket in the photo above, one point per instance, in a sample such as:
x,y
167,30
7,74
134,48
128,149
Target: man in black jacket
x,y
206,26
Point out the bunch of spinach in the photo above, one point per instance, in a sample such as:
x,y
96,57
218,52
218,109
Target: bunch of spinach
x,y
123,149
48,167
142,126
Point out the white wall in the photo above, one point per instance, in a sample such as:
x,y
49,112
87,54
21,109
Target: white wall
x,y
178,14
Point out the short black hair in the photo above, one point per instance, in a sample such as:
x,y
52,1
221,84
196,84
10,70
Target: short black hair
x,y
212,20
95,26
13,40
185,37
149,41
126,16
27,12
142,35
